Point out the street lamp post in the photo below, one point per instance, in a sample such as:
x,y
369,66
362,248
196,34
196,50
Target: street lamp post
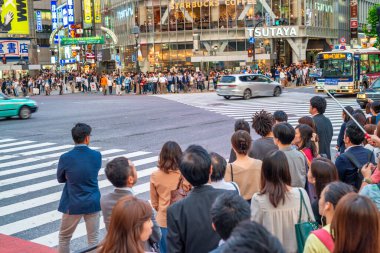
x,y
136,32
253,35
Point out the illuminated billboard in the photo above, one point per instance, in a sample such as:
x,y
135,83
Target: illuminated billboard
x,y
14,17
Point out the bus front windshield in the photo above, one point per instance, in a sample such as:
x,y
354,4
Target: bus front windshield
x,y
335,68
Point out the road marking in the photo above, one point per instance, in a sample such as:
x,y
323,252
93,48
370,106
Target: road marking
x,y
51,240
15,144
26,147
45,218
6,140
33,159
49,172
46,199
40,151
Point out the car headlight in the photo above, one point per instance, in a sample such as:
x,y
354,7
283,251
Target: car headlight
x,y
362,95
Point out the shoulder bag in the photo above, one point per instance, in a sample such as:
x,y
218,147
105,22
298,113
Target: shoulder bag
x,y
325,238
303,229
179,193
232,173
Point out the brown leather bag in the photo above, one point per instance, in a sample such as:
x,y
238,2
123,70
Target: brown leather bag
x,y
179,193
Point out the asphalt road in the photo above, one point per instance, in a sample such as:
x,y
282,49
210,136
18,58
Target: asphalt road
x,y
128,122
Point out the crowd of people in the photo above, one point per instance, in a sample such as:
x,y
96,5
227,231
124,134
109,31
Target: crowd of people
x,y
281,192
143,83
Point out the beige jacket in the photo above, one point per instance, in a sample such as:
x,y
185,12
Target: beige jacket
x,y
161,185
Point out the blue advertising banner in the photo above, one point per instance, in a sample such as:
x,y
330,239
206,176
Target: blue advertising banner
x,y
54,19
65,16
70,12
39,21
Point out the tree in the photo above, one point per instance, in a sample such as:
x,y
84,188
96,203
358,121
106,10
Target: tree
x,y
372,20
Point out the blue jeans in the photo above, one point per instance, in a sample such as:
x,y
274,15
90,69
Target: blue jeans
x,y
164,233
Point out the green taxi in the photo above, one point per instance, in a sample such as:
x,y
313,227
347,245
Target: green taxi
x,y
21,107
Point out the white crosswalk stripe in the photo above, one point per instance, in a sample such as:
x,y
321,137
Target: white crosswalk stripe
x,y
27,182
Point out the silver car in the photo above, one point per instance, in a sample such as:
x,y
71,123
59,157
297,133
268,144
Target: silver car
x,y
247,86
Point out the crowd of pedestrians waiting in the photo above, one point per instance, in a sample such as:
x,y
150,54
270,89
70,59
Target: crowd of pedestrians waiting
x,y
143,83
271,190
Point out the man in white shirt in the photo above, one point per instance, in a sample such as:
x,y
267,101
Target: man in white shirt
x,y
163,82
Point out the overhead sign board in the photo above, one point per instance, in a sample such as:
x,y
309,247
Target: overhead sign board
x,y
82,41
273,32
14,48
333,56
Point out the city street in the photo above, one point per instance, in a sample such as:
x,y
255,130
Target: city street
x,y
134,126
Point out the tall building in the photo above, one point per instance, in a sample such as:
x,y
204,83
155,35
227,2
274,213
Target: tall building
x,y
216,33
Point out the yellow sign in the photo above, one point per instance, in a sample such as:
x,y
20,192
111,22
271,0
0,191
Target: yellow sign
x,y
14,17
208,3
98,15
87,11
334,56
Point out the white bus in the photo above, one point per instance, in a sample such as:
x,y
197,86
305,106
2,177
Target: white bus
x,y
342,71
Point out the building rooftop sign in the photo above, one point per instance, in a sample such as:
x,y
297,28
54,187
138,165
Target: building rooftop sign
x,y
82,41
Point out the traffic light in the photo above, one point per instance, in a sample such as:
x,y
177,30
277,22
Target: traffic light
x,y
250,52
378,24
280,21
4,60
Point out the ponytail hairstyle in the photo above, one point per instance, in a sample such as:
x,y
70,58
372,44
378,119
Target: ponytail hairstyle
x,y
241,142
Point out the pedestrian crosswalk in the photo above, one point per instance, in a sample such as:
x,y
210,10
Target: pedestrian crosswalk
x,y
30,193
295,107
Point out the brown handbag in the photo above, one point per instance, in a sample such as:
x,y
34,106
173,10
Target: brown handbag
x,y
179,193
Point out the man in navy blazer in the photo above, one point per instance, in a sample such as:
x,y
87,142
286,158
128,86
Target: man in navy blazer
x,y
348,172
79,169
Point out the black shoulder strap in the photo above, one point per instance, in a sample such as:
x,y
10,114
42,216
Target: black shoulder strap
x,y
232,173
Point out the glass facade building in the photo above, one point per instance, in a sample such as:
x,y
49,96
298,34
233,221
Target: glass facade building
x,y
215,32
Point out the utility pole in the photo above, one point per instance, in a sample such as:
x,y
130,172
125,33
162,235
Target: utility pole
x,y
94,30
253,35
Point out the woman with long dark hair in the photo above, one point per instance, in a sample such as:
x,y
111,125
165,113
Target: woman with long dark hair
x,y
356,225
162,182
277,205
307,120
304,143
130,226
321,173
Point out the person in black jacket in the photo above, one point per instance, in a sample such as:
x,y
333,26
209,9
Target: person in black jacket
x,y
340,142
189,220
355,156
322,124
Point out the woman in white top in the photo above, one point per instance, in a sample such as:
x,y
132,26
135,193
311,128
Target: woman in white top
x,y
277,205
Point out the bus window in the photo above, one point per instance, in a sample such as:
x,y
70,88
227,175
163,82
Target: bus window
x,y
364,65
377,63
372,64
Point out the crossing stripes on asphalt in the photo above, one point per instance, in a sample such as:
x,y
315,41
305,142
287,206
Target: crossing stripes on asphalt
x,y
28,182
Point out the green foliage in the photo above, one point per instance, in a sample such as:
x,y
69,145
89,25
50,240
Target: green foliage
x,y
372,20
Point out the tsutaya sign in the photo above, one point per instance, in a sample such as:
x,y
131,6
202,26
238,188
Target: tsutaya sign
x,y
273,32
207,3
